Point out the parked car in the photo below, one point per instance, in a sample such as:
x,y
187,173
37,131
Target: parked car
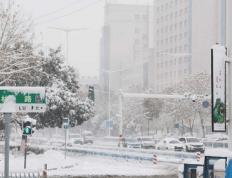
x,y
88,137
170,144
147,142
192,144
133,143
79,139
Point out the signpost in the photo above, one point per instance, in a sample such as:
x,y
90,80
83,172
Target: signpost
x,y
109,124
66,126
27,99
21,100
218,83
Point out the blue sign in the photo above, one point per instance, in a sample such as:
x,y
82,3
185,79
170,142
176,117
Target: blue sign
x,y
229,169
205,104
109,124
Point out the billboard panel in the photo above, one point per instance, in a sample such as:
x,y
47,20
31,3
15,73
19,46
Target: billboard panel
x,y
218,85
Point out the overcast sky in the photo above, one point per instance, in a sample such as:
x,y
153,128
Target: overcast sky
x,y
84,44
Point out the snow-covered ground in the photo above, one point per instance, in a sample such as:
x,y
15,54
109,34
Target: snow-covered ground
x,y
86,165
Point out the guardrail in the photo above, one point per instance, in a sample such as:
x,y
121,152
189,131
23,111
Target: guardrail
x,y
129,153
162,156
216,144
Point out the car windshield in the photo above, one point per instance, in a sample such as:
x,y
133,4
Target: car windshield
x,y
194,140
146,139
174,142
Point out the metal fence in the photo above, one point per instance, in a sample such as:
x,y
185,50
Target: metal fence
x,y
22,175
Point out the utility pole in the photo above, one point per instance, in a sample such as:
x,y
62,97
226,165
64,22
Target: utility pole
x,y
7,119
109,107
226,27
25,151
67,31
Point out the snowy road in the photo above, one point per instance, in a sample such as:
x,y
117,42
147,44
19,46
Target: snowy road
x,y
86,165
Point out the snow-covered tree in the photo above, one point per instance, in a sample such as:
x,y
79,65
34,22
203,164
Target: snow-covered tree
x,y
21,65
63,97
16,49
185,111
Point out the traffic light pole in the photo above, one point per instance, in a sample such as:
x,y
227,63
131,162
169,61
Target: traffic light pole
x,y
7,118
65,152
25,152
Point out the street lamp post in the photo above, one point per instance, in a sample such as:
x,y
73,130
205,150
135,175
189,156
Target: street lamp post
x,y
67,31
109,107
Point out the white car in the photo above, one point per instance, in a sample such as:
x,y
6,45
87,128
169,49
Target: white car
x,y
192,144
133,143
170,144
147,142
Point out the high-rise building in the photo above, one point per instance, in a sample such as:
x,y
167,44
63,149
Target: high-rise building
x,y
183,33
124,48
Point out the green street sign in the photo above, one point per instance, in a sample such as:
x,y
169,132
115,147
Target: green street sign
x,y
27,99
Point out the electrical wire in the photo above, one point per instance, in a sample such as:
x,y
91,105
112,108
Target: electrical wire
x,y
57,10
70,13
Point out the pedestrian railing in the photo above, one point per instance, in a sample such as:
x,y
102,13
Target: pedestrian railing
x,y
22,175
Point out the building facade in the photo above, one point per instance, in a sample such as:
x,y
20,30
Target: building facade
x,y
124,47
183,33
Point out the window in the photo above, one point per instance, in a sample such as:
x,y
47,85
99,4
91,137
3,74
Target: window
x,y
161,18
166,29
145,17
145,37
181,24
166,41
181,36
176,13
181,12
182,140
137,30
166,17
137,16
171,39
185,23
185,34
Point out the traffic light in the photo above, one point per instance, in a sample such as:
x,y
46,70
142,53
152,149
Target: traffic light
x,y
27,128
91,93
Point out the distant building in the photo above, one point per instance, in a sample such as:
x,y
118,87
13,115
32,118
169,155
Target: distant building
x,y
157,45
183,33
124,48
